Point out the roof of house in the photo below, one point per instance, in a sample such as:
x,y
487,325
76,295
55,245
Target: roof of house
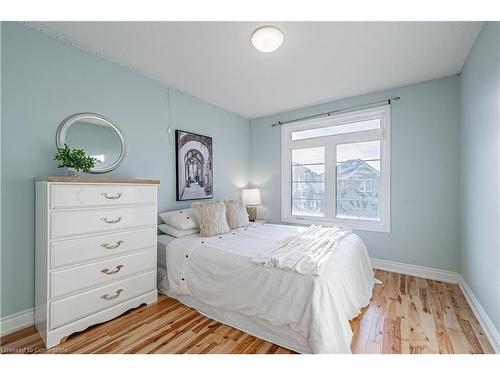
x,y
344,169
348,167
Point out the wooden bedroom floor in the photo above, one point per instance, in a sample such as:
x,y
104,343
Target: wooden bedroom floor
x,y
406,315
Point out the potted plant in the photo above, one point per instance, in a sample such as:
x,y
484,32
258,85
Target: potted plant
x,y
75,160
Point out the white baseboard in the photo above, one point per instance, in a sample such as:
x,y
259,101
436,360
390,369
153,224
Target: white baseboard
x,y
483,318
17,321
417,271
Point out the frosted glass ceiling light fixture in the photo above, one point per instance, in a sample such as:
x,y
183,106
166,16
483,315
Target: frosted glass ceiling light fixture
x,y
267,39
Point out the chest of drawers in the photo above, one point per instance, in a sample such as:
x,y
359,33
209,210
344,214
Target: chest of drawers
x,y
95,251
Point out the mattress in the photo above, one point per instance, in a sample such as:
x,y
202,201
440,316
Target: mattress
x,y
308,314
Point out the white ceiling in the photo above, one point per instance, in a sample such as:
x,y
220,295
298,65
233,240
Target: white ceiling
x,y
318,61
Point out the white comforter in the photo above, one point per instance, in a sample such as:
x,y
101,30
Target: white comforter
x,y
219,272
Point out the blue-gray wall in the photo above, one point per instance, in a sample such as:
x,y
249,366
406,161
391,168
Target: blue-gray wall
x,y
43,81
424,172
480,170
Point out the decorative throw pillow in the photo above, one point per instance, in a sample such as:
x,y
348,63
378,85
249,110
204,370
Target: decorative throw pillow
x,y
236,214
211,218
174,232
181,219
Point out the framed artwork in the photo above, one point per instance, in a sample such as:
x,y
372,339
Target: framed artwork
x,y
194,168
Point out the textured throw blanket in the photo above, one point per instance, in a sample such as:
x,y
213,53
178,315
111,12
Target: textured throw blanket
x,y
305,253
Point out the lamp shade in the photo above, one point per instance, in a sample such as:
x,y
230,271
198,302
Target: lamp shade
x,y
251,197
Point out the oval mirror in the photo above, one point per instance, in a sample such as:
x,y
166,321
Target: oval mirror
x,y
97,135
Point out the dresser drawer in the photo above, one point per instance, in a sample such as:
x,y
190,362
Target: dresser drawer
x,y
73,196
73,223
67,252
78,278
75,307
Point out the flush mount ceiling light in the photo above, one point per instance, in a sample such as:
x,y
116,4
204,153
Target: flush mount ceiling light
x,y
267,39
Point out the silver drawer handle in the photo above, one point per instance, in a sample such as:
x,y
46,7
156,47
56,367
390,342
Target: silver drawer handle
x,y
107,297
111,247
109,196
111,221
108,272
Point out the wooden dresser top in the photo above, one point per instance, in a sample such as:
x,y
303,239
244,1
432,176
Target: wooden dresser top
x,y
97,180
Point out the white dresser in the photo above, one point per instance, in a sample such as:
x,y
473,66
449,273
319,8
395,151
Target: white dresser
x,y
95,251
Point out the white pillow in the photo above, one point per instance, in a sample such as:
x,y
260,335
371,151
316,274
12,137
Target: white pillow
x,y
236,214
174,232
212,218
181,219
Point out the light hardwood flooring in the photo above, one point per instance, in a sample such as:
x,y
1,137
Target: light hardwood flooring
x,y
406,315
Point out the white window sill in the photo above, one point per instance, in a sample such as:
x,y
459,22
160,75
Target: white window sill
x,y
352,224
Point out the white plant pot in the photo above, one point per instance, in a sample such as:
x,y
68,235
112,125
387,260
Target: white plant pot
x,y
72,172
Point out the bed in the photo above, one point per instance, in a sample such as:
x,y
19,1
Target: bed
x,y
304,313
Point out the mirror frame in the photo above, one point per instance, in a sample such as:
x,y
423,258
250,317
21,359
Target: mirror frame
x,y
70,120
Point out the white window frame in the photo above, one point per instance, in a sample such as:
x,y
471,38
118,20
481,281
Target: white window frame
x,y
330,143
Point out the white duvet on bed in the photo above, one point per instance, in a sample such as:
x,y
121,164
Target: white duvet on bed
x,y
219,272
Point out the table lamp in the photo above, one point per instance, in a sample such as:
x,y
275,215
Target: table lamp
x,y
251,198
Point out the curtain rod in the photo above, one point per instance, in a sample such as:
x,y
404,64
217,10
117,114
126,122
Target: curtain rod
x,y
326,114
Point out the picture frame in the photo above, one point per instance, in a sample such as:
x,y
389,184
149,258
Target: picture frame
x,y
193,166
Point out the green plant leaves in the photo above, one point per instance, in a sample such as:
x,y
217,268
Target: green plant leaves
x,y
75,158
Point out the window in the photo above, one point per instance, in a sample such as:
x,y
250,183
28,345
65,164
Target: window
x,y
335,170
308,181
358,169
336,129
